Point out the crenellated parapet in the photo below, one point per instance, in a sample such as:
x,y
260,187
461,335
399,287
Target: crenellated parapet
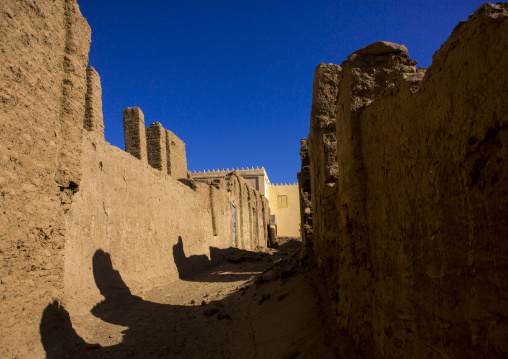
x,y
219,172
158,147
256,177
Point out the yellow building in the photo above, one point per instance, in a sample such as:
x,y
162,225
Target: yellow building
x,y
285,205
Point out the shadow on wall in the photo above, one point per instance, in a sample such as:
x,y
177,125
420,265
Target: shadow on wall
x,y
58,337
188,266
153,329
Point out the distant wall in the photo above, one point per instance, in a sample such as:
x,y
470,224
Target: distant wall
x,y
256,177
416,256
285,205
44,52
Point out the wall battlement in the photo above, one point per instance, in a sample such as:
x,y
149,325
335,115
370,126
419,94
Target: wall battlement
x,y
160,148
156,147
93,102
134,131
242,171
176,157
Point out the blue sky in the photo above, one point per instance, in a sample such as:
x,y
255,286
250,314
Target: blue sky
x,y
233,78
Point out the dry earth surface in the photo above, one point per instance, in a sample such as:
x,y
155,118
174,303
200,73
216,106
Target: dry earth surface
x,y
251,305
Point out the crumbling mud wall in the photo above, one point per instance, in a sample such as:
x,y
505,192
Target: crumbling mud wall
x,y
322,151
151,224
417,259
44,53
65,193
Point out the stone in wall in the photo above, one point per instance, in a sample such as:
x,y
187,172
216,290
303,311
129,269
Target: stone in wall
x,y
134,132
304,189
93,102
416,260
176,156
44,53
156,146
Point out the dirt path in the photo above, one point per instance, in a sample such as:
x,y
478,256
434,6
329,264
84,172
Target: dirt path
x,y
252,305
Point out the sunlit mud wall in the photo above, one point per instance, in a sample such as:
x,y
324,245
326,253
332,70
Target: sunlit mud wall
x,y
413,237
65,193
44,53
140,215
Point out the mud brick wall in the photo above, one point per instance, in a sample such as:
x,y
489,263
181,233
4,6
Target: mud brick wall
x,y
134,132
417,257
156,146
142,220
176,156
65,193
44,54
93,102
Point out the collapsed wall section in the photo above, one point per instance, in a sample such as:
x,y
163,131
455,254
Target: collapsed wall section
x,y
417,258
44,52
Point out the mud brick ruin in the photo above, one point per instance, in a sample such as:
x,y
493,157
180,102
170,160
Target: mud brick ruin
x,y
67,193
403,190
406,173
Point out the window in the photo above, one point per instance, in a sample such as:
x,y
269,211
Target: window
x,y
282,201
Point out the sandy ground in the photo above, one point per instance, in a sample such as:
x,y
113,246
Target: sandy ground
x,y
251,305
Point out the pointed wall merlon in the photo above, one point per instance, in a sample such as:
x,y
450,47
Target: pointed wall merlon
x,y
176,156
156,147
283,184
249,171
134,130
93,102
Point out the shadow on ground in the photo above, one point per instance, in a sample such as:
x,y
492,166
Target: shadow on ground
x,y
245,324
189,266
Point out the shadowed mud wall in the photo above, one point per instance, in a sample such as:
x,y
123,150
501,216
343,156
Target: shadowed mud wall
x,y
322,151
417,256
304,191
65,192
